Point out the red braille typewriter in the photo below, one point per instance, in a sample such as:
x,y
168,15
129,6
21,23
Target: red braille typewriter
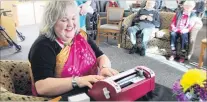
x,y
126,86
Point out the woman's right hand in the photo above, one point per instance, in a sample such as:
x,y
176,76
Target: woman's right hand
x,y
174,29
149,18
88,80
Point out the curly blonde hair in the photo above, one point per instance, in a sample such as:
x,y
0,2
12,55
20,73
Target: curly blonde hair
x,y
53,11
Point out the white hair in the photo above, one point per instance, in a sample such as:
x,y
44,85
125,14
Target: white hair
x,y
190,2
54,11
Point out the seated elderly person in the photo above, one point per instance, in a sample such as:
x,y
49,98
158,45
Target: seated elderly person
x,y
63,58
111,3
200,8
181,25
158,4
179,5
146,20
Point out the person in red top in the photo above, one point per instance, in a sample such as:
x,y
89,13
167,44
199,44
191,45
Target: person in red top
x,y
111,3
181,25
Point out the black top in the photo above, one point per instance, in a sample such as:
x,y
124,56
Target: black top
x,y
42,56
146,23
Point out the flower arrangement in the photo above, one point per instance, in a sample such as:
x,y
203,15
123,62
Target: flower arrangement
x,y
192,86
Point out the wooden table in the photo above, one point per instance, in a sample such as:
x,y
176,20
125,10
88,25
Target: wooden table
x,y
203,47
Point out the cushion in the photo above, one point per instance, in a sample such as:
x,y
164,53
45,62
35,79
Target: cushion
x,y
109,26
128,21
8,96
6,82
163,34
115,14
165,19
154,33
159,47
15,81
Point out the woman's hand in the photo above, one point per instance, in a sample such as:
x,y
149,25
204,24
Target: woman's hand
x,y
174,29
88,80
184,31
107,72
149,18
143,17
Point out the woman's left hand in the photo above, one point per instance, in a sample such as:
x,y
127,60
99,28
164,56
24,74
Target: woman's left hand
x,y
107,72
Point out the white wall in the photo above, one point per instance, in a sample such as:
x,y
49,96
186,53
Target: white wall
x,y
129,3
30,12
25,13
39,10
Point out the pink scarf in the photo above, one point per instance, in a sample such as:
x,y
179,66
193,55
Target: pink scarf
x,y
81,60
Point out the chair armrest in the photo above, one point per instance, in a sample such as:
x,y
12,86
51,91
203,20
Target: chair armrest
x,y
9,96
198,24
153,35
196,28
15,64
120,25
193,34
14,70
127,22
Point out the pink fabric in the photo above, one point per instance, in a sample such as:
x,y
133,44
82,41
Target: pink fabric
x,y
82,59
34,91
183,23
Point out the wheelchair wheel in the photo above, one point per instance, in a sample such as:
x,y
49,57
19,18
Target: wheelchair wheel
x,y
22,38
18,48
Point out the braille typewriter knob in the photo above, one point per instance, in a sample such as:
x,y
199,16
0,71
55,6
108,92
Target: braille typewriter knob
x,y
106,93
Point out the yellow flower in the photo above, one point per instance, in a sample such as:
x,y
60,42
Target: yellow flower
x,y
192,77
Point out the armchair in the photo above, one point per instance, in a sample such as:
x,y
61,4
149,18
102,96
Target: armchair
x,y
113,26
15,83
